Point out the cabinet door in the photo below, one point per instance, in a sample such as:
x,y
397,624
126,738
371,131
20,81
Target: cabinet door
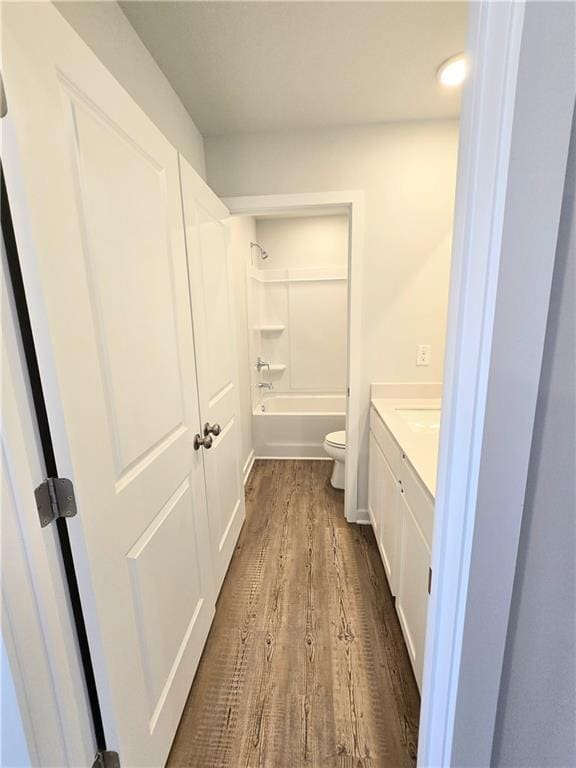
x,y
390,522
374,485
412,603
383,500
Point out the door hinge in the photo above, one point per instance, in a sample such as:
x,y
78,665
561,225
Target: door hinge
x,y
429,580
54,499
348,391
106,759
3,102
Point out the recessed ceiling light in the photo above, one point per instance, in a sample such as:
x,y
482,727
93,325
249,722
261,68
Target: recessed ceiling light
x,y
452,72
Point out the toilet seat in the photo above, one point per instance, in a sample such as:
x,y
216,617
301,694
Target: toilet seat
x,y
337,439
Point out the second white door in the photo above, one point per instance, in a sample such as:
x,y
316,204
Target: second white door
x,y
206,244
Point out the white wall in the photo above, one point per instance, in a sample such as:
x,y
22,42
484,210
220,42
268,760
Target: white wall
x,y
535,724
408,172
310,241
106,30
242,231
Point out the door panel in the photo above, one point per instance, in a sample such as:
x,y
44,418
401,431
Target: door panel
x,y
390,522
384,502
214,335
216,300
123,209
374,483
166,608
104,263
412,604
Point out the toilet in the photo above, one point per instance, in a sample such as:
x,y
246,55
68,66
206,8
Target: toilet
x,y
335,447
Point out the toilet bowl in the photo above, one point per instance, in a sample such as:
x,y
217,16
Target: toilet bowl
x,y
335,447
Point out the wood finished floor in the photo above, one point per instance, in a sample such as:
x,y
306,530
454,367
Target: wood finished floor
x,y
305,664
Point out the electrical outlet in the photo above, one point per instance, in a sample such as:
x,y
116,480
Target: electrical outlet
x,y
423,354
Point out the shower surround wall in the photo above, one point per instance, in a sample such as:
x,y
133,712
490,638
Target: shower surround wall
x,y
297,301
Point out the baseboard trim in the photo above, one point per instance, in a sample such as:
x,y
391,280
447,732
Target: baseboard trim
x,y
294,458
363,517
248,466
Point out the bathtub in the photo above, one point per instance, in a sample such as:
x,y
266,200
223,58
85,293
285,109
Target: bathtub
x,y
294,426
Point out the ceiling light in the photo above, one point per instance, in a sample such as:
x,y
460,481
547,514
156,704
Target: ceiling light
x,y
453,71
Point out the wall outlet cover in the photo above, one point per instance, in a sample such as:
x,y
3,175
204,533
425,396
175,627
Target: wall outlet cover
x,y
423,354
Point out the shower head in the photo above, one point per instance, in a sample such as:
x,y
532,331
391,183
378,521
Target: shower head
x,y
263,253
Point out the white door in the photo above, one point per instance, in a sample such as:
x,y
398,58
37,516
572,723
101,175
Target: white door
x,y
104,263
214,335
38,635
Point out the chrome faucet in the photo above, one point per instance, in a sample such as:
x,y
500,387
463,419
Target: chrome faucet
x,y
265,385
261,364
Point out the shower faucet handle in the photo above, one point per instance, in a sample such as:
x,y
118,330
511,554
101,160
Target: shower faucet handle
x,y
261,364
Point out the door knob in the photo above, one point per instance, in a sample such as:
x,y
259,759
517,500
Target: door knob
x,y
202,442
214,429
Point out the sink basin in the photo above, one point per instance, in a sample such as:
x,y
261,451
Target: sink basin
x,y
425,421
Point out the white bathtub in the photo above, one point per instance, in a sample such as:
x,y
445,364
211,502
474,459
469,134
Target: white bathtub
x,y
294,426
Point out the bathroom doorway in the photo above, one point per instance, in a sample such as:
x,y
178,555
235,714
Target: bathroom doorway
x,y
297,296
300,325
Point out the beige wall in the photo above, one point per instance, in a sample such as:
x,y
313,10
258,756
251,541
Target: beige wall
x,y
106,30
408,173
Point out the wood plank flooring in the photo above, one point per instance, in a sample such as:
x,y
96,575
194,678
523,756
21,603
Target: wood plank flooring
x,y
305,664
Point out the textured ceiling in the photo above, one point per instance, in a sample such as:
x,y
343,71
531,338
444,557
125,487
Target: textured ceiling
x,y
254,66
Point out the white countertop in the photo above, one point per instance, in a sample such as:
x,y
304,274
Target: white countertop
x,y
417,437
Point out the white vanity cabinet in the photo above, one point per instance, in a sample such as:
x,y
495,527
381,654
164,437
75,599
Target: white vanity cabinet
x,y
402,514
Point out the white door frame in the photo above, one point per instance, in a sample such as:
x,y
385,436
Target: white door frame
x,y
515,131
353,202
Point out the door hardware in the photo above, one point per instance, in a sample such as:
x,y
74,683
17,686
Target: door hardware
x,y
106,759
213,429
3,102
54,499
202,442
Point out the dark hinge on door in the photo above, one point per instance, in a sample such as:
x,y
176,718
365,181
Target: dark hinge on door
x,y
3,102
106,759
429,580
54,499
